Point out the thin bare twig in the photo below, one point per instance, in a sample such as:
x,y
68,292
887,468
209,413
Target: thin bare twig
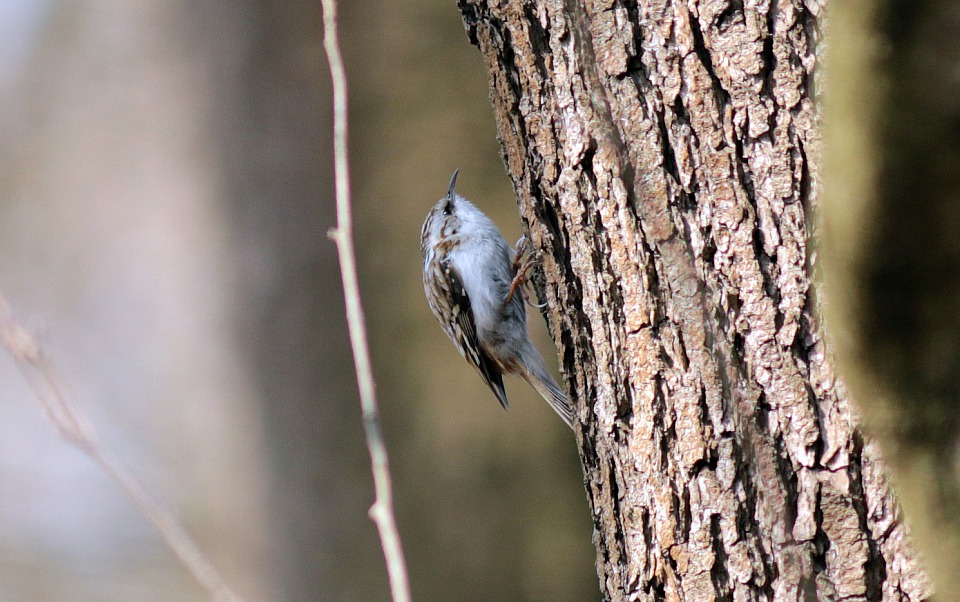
x,y
382,510
44,381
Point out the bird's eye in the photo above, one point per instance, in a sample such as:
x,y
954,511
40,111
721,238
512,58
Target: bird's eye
x,y
448,209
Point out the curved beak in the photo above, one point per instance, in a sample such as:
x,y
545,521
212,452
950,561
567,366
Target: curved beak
x,y
453,182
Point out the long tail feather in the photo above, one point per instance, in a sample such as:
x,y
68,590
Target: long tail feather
x,y
555,397
540,379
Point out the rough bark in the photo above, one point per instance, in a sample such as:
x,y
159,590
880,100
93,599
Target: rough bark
x,y
665,161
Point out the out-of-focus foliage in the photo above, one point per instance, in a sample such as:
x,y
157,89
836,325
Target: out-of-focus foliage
x,y
165,198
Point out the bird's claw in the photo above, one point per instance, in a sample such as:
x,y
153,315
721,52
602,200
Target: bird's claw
x,y
520,270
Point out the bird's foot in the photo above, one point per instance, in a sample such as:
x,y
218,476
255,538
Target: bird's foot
x,y
520,269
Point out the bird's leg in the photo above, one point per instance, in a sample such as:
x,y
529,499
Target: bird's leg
x,y
518,281
520,270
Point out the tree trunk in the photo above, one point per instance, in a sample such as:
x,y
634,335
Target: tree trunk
x,y
665,157
891,259
272,85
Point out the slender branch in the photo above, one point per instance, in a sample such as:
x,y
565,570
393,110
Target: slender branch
x,y
382,510
44,381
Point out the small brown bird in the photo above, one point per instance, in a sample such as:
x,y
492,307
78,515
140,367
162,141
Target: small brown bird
x,y
469,278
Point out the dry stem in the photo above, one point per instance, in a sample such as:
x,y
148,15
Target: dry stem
x,y
382,510
44,381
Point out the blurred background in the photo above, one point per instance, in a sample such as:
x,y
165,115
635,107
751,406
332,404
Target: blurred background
x,y
166,193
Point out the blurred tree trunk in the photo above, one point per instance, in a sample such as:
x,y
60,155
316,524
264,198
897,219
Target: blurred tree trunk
x,y
891,252
666,161
276,131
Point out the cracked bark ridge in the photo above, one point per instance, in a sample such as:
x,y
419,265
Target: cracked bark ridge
x,y
665,158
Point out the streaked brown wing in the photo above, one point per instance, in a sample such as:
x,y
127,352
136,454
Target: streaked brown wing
x,y
464,332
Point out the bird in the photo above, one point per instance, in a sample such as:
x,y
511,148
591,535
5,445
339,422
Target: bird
x,y
470,279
